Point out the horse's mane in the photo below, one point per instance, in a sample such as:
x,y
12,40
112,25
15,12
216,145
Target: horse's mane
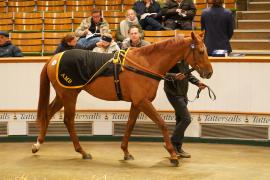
x,y
161,46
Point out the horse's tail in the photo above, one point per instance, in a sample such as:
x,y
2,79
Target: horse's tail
x,y
44,97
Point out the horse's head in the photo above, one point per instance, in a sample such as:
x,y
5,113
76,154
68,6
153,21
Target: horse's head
x,y
197,56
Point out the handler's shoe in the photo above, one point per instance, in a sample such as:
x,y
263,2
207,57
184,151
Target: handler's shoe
x,y
183,154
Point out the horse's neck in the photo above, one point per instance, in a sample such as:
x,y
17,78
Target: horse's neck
x,y
161,57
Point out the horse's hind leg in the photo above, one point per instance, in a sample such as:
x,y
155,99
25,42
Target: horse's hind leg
x,y
69,115
133,114
54,106
147,107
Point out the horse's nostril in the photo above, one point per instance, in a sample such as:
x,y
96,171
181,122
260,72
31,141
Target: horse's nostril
x,y
209,75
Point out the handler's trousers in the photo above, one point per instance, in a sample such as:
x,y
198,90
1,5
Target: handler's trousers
x,y
183,118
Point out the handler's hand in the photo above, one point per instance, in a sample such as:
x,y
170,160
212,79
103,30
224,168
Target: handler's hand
x,y
201,85
180,76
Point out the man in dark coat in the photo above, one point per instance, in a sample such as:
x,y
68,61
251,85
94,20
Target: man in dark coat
x,y
176,92
7,49
149,14
218,25
179,14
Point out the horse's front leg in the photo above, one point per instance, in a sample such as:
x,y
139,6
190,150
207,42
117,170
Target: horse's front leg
x,y
69,115
147,107
133,114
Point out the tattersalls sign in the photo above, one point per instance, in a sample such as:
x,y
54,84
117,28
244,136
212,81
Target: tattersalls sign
x,y
234,119
17,121
91,115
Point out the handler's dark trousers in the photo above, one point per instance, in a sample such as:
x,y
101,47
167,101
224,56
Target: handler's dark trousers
x,y
183,118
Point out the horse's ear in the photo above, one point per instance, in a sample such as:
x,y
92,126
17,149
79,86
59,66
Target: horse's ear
x,y
202,34
193,36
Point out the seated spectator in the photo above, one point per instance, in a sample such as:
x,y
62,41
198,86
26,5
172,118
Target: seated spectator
x,y
218,25
122,30
149,14
68,42
106,44
7,49
179,14
91,29
134,39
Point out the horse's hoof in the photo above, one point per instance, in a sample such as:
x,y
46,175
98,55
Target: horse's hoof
x,y
174,162
87,156
128,157
34,148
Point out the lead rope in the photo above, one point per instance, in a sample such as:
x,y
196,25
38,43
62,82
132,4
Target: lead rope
x,y
211,94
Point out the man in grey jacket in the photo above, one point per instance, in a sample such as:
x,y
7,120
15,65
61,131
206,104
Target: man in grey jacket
x,y
176,92
91,29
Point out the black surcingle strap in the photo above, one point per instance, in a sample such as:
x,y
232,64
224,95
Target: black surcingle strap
x,y
117,65
116,70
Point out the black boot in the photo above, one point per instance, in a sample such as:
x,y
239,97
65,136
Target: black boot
x,y
183,154
180,152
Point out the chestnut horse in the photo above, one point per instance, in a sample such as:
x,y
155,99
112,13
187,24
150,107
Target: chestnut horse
x,y
157,59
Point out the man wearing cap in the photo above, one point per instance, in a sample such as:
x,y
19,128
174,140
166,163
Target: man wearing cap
x,y
7,49
106,44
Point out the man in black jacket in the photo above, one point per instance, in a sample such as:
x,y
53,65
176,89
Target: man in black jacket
x,y
176,92
7,49
179,14
218,25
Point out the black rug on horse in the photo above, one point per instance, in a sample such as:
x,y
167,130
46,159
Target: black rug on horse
x,y
76,67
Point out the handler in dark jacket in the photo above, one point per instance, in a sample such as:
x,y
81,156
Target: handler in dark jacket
x,y
218,25
179,14
176,92
7,49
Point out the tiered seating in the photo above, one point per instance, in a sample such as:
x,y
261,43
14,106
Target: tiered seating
x,y
28,22
51,5
114,18
109,5
156,36
127,4
3,6
65,16
230,4
82,5
30,43
186,32
58,21
78,17
20,6
6,22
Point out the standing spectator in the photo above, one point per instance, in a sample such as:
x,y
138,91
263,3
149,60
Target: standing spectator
x,y
218,25
106,44
179,14
176,92
122,30
68,42
149,14
91,29
7,49
134,39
